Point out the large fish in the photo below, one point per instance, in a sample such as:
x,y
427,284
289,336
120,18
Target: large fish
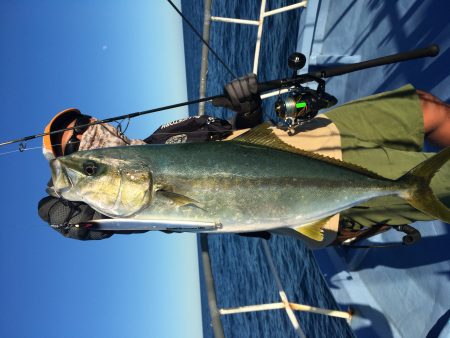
x,y
255,182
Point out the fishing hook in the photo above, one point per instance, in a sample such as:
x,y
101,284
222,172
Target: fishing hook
x,y
119,126
22,146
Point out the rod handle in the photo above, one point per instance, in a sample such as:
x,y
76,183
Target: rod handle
x,y
430,51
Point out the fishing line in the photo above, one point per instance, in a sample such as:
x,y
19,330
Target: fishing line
x,y
19,151
201,38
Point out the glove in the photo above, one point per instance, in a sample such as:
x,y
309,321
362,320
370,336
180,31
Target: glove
x,y
63,215
241,95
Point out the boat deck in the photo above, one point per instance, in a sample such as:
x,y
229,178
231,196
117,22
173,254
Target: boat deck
x,y
400,291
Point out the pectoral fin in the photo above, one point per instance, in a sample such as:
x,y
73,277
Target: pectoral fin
x,y
313,230
180,200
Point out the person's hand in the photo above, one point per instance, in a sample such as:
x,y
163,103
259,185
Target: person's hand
x,y
64,216
241,95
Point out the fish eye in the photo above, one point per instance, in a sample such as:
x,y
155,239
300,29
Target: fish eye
x,y
90,168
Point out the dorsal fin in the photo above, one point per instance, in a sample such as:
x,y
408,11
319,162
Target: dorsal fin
x,y
263,135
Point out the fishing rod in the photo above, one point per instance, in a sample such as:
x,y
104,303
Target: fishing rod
x,y
303,102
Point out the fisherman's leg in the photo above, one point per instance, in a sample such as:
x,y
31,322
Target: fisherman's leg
x,y
392,119
436,119
399,119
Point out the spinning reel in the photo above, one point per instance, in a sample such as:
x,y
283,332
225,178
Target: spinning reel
x,y
302,103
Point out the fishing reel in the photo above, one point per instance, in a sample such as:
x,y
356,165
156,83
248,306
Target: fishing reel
x,y
302,103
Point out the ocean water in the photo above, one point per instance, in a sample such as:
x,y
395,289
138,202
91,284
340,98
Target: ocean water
x,y
235,44
241,273
243,277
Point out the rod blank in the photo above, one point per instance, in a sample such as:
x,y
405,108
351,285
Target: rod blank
x,y
429,51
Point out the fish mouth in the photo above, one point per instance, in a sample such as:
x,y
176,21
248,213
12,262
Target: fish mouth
x,y
62,181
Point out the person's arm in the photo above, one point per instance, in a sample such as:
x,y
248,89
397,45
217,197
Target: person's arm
x,y
63,215
241,95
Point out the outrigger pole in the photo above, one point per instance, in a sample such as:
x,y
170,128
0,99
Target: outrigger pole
x,y
429,51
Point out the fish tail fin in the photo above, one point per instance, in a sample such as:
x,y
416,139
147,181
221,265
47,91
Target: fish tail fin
x,y
421,196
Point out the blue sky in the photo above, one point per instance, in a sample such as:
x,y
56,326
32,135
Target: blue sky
x,y
106,58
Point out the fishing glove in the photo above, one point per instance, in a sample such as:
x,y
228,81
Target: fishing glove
x,y
63,215
241,95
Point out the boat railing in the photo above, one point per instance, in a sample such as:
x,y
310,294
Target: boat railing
x,y
208,18
260,23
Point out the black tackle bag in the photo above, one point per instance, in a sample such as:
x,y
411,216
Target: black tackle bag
x,y
191,129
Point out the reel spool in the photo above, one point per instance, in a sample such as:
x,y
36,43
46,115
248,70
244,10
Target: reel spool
x,y
302,103
299,105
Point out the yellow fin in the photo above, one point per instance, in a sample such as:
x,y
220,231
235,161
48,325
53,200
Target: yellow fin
x,y
313,230
263,135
